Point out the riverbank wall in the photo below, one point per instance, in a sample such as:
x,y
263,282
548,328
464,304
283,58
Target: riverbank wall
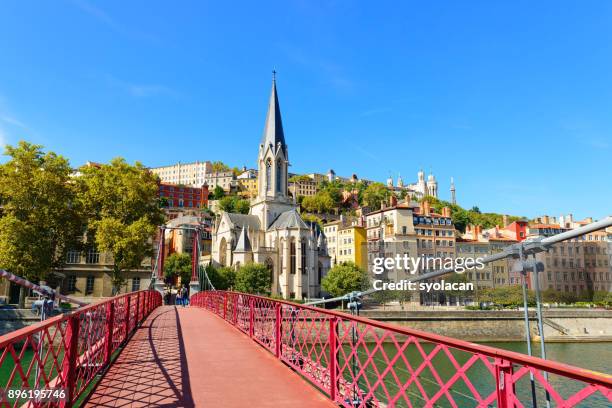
x,y
560,325
14,319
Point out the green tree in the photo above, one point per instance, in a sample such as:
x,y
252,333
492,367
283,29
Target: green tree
x,y
120,203
374,194
319,203
603,298
219,166
223,278
457,278
234,204
242,206
218,193
178,264
344,278
226,204
383,297
298,177
254,278
39,218
506,296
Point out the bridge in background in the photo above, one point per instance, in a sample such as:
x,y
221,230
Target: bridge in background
x,y
231,349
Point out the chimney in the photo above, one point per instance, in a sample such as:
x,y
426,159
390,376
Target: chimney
x,y
570,219
476,231
425,207
393,200
589,219
545,219
504,220
446,211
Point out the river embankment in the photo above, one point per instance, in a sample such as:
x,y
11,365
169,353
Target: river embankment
x,y
560,325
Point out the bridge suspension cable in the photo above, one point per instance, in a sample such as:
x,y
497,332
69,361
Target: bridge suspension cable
x,y
43,290
210,285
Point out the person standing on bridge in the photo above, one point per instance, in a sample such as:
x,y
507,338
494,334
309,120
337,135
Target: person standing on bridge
x,y
184,296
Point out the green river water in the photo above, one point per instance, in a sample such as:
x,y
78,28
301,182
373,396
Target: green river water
x,y
592,356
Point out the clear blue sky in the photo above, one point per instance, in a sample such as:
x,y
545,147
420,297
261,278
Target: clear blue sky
x,y
514,100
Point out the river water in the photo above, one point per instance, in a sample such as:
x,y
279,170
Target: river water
x,y
591,356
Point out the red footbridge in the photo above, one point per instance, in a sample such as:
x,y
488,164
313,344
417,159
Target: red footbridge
x,y
230,349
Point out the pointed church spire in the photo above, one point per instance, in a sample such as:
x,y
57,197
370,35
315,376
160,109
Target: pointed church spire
x,y
273,131
243,244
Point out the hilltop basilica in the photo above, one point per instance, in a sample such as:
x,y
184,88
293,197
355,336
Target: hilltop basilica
x,y
274,233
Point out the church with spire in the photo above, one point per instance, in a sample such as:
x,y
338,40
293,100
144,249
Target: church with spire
x,y
273,233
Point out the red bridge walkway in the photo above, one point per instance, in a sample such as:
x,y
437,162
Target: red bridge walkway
x,y
185,357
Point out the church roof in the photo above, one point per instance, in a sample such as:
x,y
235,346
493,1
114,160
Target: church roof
x,y
289,219
244,220
273,131
243,244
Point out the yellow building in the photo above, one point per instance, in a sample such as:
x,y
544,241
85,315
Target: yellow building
x,y
247,183
247,187
346,241
351,245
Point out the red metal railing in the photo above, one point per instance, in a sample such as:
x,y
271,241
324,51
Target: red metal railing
x,y
359,362
68,351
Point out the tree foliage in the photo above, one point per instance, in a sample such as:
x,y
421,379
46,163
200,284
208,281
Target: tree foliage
x,y
223,278
178,264
217,193
39,216
219,166
120,203
254,278
297,178
322,202
344,278
233,204
506,296
374,194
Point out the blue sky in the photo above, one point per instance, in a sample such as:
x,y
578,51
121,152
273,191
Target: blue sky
x,y
514,100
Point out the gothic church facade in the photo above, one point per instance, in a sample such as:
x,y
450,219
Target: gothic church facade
x,y
274,233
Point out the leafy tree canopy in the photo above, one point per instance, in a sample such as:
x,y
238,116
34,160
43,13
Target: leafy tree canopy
x,y
374,194
344,278
299,177
178,264
322,202
223,278
219,166
39,216
254,278
217,193
234,204
120,202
